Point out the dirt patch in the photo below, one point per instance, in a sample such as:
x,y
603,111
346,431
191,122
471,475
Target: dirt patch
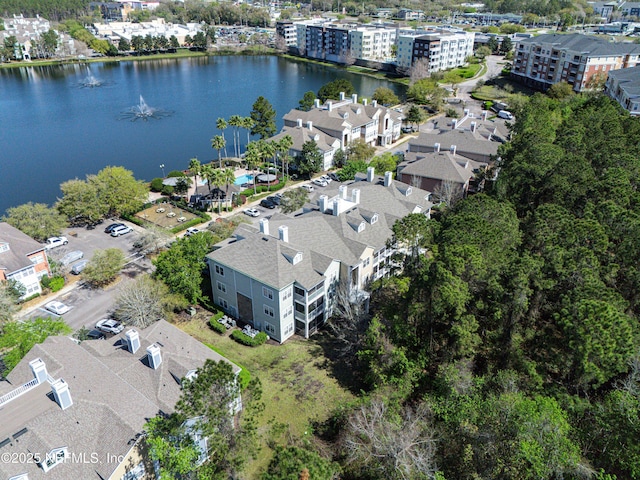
x,y
165,215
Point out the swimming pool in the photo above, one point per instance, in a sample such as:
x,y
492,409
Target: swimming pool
x,y
242,179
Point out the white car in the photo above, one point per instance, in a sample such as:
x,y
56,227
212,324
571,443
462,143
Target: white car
x,y
54,242
326,178
252,212
319,182
191,231
71,257
505,114
116,232
308,188
58,308
109,325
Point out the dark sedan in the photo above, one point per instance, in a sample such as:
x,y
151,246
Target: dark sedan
x,y
266,203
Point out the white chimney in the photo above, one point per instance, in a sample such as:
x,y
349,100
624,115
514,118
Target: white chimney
x,y
364,102
342,191
39,369
454,124
154,356
329,106
323,203
466,112
264,226
341,96
336,207
374,103
316,103
484,115
371,172
355,196
473,127
309,124
299,123
283,233
436,147
354,98
133,340
61,394
453,149
388,178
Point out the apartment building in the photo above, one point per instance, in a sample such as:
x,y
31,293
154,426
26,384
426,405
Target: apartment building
x,y
22,259
372,42
286,277
287,31
575,58
346,120
624,87
443,49
77,410
630,9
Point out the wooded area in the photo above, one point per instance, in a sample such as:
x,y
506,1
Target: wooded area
x,y
517,331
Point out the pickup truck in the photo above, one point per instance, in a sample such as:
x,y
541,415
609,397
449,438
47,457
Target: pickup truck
x,y
54,242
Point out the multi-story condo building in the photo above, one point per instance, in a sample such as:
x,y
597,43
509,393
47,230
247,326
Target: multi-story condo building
x,y
347,120
344,43
630,9
287,277
575,58
287,31
624,87
603,9
441,48
22,259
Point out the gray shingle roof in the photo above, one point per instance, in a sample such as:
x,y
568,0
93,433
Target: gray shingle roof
x,y
20,245
593,46
464,140
113,392
629,79
302,135
439,166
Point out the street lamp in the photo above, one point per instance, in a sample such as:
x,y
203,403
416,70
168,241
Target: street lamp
x,y
162,167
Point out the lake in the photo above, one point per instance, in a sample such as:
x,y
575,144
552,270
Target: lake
x,y
52,128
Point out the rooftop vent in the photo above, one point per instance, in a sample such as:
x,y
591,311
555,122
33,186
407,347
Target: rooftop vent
x,y
154,356
39,369
283,233
61,394
132,338
354,98
370,174
388,178
264,226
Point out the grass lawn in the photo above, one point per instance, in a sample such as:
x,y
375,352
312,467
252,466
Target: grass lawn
x,y
297,381
469,71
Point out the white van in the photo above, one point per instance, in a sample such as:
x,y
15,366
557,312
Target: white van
x,y
506,115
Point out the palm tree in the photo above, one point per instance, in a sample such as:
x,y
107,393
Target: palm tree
x,y
218,143
229,178
206,171
268,151
247,123
253,157
236,122
195,168
282,148
221,124
218,179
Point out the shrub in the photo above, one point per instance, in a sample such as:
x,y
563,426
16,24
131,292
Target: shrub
x,y
245,339
167,189
56,284
183,226
175,173
452,112
217,326
156,185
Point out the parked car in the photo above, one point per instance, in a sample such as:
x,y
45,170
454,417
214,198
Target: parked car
x,y
319,182
274,199
326,178
54,242
333,176
77,268
109,325
266,203
308,188
71,257
113,226
505,114
96,335
121,230
252,212
191,231
58,308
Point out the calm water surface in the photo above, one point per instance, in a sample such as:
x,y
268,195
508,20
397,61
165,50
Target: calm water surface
x,y
52,129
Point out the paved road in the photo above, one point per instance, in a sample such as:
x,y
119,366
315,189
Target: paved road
x,y
494,67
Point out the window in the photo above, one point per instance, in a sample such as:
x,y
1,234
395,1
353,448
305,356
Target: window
x,y
4,247
288,329
366,261
135,473
269,328
300,308
288,312
268,310
287,294
54,457
223,303
267,293
222,287
299,291
220,270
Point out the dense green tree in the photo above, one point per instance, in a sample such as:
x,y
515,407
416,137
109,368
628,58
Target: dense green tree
x,y
124,45
37,220
78,203
119,191
414,115
294,199
307,101
560,90
506,45
104,267
385,96
332,90
264,118
181,266
387,162
493,44
427,91
289,464
360,151
348,172
310,159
